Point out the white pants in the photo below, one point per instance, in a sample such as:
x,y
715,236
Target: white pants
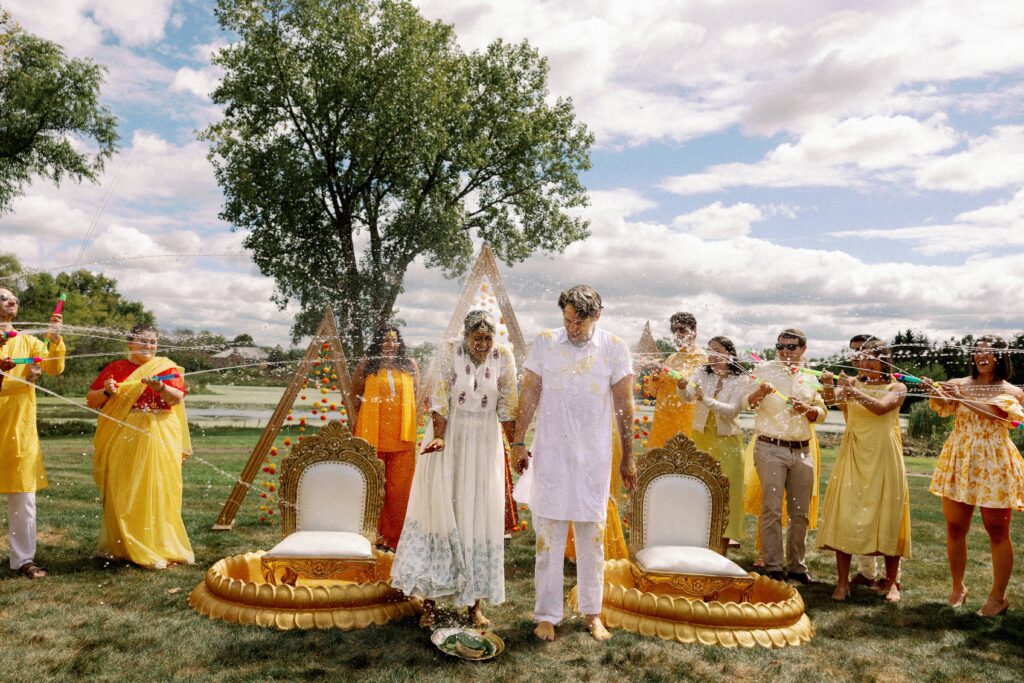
x,y
21,527
551,536
867,565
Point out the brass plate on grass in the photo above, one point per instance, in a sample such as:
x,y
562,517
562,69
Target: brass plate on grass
x,y
442,639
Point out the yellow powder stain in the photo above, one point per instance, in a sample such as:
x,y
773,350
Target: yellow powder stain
x,y
542,544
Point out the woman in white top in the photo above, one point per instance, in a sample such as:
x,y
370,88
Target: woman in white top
x,y
718,389
452,543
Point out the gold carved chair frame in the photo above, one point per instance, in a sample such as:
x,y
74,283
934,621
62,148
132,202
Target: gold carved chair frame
x,y
680,456
334,443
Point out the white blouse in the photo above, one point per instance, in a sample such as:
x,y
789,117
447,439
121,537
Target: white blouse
x,y
726,401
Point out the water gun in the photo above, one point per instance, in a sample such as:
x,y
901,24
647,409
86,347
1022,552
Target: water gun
x,y
31,360
758,380
59,308
754,356
156,378
907,378
10,334
674,374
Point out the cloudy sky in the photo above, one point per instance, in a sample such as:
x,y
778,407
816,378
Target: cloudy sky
x,y
761,164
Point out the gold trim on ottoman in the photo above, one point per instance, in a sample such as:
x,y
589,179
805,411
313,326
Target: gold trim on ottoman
x,y
234,591
772,617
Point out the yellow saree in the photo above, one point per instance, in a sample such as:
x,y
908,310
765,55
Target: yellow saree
x,y
137,468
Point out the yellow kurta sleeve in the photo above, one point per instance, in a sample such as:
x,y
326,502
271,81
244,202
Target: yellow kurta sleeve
x,y
21,460
54,363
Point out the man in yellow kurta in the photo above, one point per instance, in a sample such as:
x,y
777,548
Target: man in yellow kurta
x,y
671,415
21,460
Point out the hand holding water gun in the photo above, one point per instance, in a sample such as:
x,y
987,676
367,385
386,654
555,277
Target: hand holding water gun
x,y
680,379
152,382
56,320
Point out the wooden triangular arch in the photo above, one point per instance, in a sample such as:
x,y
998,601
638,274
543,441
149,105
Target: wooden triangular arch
x,y
646,345
485,268
327,333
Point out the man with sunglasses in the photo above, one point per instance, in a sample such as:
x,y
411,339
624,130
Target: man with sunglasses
x,y
21,460
785,404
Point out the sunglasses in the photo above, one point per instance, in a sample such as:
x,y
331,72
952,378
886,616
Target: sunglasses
x,y
789,347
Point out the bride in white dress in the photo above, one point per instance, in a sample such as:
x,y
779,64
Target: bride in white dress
x,y
452,544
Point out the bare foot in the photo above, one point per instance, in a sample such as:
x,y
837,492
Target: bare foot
x,y
596,628
841,593
957,598
477,618
545,631
994,607
893,593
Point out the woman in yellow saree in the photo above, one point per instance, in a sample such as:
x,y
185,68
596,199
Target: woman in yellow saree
x,y
141,442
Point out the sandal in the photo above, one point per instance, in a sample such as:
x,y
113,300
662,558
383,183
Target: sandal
x,y
31,570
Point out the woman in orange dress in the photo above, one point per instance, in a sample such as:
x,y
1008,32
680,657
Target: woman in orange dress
x,y
384,395
980,466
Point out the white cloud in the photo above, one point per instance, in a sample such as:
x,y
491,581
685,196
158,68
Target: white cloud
x,y
996,228
777,70
78,25
846,153
744,287
199,82
718,222
991,161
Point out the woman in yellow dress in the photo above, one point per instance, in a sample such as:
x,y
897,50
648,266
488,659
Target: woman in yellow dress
x,y
672,415
718,389
141,442
867,502
980,466
384,395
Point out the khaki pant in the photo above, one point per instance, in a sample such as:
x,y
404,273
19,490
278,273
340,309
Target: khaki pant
x,y
785,474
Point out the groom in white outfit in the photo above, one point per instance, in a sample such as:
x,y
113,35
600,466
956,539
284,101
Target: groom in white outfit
x,y
575,379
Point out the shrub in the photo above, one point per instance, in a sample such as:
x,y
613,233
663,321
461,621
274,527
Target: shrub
x,y
923,422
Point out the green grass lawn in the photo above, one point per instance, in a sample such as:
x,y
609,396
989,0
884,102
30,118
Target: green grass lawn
x,y
98,622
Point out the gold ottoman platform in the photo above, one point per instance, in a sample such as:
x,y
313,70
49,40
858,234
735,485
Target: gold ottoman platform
x,y
773,616
235,591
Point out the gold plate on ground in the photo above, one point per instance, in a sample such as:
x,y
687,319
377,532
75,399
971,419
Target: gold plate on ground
x,y
439,636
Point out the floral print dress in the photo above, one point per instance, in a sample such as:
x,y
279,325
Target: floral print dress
x,y
979,465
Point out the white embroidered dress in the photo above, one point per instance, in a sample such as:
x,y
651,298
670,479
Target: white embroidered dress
x,y
452,544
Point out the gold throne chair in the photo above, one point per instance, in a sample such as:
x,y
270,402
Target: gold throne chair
x,y
678,515
331,492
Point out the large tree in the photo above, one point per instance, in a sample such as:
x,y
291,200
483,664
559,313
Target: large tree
x,y
46,101
357,136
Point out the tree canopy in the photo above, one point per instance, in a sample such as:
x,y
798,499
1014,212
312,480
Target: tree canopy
x,y
358,137
46,100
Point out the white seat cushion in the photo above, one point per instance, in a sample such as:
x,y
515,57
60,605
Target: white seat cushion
x,y
331,496
324,544
677,512
681,559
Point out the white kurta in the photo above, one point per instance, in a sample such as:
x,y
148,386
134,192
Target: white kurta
x,y
452,544
572,445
